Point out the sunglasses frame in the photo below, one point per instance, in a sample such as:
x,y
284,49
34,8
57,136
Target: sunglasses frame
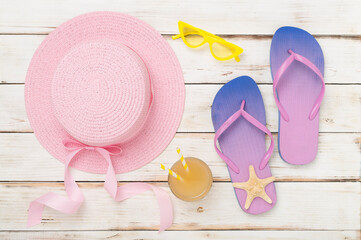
x,y
210,39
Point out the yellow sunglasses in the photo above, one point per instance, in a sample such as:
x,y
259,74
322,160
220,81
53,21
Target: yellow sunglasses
x,y
194,37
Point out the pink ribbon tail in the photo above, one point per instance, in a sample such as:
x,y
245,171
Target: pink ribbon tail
x,y
75,197
164,202
131,189
60,203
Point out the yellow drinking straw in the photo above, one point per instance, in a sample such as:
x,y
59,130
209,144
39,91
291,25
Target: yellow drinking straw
x,y
185,166
171,173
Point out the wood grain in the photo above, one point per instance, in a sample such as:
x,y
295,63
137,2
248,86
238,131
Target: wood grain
x,y
181,235
342,61
222,17
320,200
339,109
338,159
300,206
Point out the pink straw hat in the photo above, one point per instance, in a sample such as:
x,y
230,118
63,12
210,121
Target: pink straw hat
x,y
104,84
91,80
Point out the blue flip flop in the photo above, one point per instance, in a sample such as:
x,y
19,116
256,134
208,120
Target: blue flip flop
x,y
297,67
239,121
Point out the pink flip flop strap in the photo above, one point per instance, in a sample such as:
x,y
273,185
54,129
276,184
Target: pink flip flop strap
x,y
254,122
282,70
76,197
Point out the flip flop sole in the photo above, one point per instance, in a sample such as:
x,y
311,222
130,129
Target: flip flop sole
x,y
297,91
242,142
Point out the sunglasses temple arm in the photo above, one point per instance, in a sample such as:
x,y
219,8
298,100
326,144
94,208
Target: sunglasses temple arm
x,y
237,59
176,36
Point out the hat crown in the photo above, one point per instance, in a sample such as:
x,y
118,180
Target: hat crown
x,y
101,92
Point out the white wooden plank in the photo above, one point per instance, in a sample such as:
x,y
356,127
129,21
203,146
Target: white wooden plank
x,y
338,158
226,17
303,207
340,110
181,235
300,206
342,61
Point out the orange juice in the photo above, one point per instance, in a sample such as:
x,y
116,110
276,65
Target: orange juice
x,y
195,183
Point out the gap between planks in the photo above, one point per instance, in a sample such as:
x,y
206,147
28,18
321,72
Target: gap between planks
x,y
181,230
244,35
208,83
215,180
256,234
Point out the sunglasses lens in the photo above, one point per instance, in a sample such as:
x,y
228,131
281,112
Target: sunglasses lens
x,y
192,37
221,50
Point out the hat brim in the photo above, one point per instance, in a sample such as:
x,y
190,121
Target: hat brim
x,y
164,71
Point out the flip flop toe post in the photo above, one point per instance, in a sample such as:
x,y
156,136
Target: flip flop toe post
x,y
239,120
297,67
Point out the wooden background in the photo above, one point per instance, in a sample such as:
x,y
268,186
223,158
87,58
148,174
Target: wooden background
x,y
318,201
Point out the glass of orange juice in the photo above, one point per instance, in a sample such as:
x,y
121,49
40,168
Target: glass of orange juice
x,y
196,181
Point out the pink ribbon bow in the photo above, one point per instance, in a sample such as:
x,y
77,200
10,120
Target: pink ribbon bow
x,y
76,197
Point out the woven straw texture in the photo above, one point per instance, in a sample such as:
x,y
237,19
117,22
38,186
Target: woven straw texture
x,y
90,80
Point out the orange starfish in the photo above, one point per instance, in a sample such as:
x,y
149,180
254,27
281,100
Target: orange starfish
x,y
255,187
